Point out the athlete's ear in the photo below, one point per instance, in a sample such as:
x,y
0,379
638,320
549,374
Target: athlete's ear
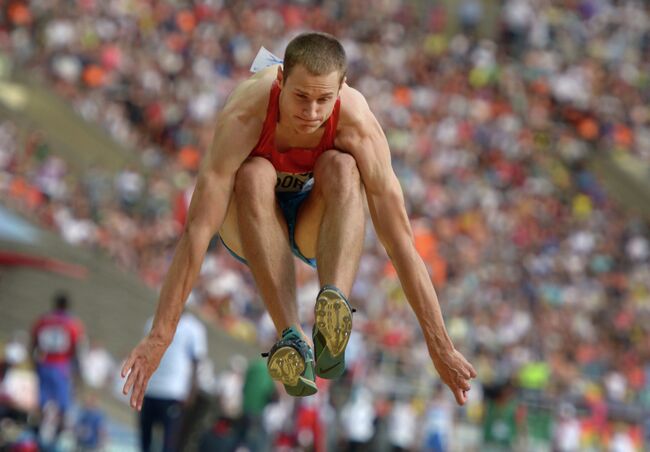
x,y
280,75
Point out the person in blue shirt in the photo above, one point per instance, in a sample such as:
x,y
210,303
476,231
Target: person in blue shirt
x,y
90,428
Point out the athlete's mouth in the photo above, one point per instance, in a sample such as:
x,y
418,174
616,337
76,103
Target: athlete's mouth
x,y
309,121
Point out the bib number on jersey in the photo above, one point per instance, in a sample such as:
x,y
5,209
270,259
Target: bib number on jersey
x,y
54,339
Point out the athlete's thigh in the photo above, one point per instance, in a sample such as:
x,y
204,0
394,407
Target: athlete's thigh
x,y
229,231
310,214
308,222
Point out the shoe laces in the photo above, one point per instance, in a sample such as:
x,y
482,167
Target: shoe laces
x,y
298,338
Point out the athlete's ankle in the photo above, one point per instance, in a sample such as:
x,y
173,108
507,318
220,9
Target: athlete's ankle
x,y
332,287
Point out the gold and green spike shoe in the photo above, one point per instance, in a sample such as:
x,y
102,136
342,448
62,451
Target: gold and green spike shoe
x,y
291,362
331,333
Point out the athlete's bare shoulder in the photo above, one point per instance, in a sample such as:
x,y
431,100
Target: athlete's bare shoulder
x,y
239,123
355,118
250,99
354,107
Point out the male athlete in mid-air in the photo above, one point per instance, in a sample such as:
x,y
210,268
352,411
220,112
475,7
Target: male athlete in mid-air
x,y
295,150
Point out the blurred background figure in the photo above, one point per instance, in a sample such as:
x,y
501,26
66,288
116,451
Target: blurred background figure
x,y
98,367
258,391
18,394
566,437
173,386
437,423
90,427
58,340
402,426
501,420
358,418
17,390
244,391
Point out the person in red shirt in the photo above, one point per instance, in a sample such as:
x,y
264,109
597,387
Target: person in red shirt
x,y
56,340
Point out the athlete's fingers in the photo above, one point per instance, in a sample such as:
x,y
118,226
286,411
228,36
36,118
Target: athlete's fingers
x,y
143,387
135,395
130,381
138,391
464,385
460,396
145,382
127,365
468,370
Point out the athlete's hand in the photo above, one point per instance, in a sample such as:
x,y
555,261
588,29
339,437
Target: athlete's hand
x,y
139,366
456,372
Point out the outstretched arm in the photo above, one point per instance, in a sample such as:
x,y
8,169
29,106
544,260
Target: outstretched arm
x,y
365,140
235,135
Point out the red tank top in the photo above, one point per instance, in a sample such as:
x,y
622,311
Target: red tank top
x,y
294,166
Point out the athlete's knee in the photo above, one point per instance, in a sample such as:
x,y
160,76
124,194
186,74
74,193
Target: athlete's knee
x,y
255,179
339,171
337,163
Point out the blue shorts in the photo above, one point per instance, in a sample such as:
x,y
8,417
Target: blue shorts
x,y
55,384
289,205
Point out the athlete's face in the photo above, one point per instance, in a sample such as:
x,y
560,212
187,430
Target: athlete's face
x,y
307,100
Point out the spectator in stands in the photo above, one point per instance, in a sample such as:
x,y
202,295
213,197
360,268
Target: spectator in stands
x,y
501,420
438,423
257,392
17,391
358,418
90,428
402,425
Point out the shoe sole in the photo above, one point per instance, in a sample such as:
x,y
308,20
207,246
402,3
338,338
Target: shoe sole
x,y
334,321
286,365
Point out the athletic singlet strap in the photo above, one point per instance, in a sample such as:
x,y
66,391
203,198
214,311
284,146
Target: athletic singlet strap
x,y
293,160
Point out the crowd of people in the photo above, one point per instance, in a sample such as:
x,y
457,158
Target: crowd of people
x,y
543,280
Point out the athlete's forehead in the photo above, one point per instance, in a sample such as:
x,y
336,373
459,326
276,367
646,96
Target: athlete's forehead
x,y
303,81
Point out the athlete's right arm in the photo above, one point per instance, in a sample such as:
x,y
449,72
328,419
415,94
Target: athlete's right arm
x,y
206,214
236,134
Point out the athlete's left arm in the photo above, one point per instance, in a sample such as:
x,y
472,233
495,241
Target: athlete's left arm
x,y
80,350
362,136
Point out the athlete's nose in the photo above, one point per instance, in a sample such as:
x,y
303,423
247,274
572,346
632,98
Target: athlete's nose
x,y
310,112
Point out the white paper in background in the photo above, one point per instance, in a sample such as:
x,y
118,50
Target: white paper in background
x,y
264,59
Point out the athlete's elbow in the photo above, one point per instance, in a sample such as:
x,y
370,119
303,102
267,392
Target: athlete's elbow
x,y
188,256
200,225
193,243
196,234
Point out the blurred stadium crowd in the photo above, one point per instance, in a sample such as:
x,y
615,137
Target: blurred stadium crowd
x,y
544,282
